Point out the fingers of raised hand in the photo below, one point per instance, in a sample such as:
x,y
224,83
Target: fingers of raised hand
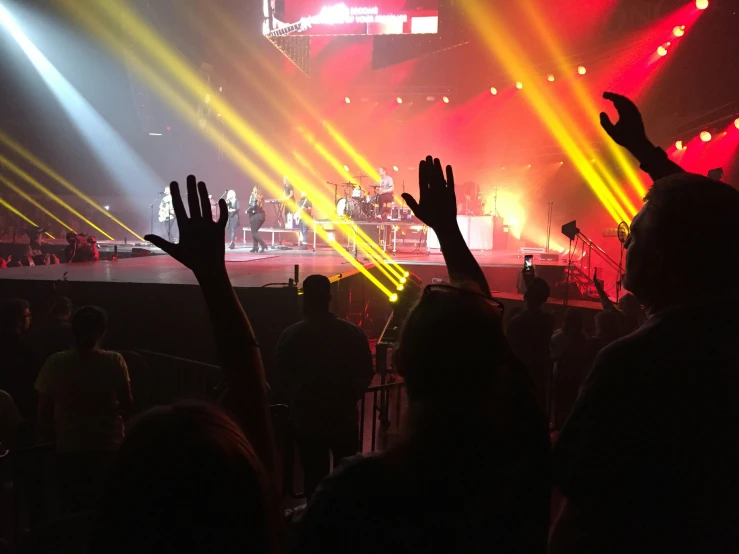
x,y
177,205
204,201
222,213
412,204
159,242
606,123
192,197
450,177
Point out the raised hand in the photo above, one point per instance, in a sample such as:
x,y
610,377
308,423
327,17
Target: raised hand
x,y
437,204
201,247
629,130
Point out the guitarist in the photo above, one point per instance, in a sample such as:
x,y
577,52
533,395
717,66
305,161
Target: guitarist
x,y
166,212
305,207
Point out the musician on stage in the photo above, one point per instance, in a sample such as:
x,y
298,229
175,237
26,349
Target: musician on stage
x,y
166,212
256,218
386,191
288,197
270,22
232,203
305,207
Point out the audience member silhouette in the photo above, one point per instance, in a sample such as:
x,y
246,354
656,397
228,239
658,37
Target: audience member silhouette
x,y
530,333
570,357
190,478
325,364
608,329
84,398
471,473
18,363
648,459
629,309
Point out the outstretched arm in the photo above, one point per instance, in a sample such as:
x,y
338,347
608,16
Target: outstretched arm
x,y
629,132
202,249
437,208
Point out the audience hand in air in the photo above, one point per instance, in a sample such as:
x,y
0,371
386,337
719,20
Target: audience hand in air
x,y
201,247
437,204
628,131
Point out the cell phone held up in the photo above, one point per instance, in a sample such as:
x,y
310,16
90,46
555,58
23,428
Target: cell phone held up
x,y
528,264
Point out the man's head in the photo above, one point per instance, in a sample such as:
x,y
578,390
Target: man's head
x,y
285,181
62,309
684,242
72,237
303,195
537,294
88,327
316,294
452,349
15,315
382,171
166,190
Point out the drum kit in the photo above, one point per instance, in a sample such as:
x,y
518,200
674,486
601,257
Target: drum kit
x,y
357,203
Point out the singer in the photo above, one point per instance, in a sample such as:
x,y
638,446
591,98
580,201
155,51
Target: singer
x,y
233,215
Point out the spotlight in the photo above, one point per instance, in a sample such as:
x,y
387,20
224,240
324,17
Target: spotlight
x,y
493,91
393,298
170,128
550,78
679,30
406,274
400,287
736,123
662,51
679,145
107,208
519,85
581,70
402,280
347,100
399,100
395,168
705,136
346,168
701,4
445,99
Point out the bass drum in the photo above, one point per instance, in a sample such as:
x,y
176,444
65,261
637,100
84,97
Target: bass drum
x,y
347,207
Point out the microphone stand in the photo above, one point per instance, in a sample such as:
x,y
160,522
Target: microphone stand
x,y
336,191
151,209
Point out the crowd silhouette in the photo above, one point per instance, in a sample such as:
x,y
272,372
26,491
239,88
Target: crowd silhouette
x,y
646,411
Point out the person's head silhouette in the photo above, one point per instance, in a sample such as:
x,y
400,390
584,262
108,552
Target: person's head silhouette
x,y
316,295
88,327
184,480
537,294
451,349
685,215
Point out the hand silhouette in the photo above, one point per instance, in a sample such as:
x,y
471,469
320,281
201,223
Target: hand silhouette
x,y
628,131
201,247
437,205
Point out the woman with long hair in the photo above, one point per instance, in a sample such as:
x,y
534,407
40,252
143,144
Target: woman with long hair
x,y
256,218
233,215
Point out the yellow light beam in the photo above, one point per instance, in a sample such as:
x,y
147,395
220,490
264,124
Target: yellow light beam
x,y
586,100
4,138
23,217
502,45
34,183
175,66
182,105
12,186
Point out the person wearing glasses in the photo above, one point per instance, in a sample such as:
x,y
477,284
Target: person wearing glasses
x,y
471,471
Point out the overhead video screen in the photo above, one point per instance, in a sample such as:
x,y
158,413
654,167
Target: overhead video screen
x,y
350,17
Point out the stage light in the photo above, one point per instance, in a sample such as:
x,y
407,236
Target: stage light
x,y
155,134
493,91
399,100
445,99
406,274
701,4
395,168
736,123
402,280
662,51
679,145
519,85
550,78
581,70
705,136
400,287
347,100
393,298
170,128
106,208
679,30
